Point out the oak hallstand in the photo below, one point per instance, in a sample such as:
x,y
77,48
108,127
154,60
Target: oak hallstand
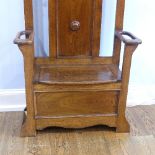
x,y
74,87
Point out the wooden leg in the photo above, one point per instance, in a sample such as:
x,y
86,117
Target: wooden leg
x,y
122,123
28,128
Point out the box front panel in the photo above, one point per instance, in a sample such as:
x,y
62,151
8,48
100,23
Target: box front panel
x,y
75,103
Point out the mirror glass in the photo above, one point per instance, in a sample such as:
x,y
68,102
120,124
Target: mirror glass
x,y
107,27
40,11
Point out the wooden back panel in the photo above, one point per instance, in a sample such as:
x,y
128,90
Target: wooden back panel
x,y
87,42
67,40
74,27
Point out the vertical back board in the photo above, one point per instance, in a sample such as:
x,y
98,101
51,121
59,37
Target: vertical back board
x,y
118,26
28,11
74,28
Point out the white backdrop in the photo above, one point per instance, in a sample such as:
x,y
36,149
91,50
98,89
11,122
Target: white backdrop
x,y
138,21
11,69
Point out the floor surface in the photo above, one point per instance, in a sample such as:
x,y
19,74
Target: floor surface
x,y
98,140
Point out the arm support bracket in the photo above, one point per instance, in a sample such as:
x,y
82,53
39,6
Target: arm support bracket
x,y
28,38
121,35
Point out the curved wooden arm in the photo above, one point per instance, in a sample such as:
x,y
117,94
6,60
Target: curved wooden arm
x,y
133,41
29,37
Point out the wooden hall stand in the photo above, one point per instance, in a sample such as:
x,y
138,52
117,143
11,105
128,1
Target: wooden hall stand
x,y
74,87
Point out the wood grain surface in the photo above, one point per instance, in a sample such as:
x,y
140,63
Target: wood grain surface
x,y
99,140
69,103
74,43
78,74
66,41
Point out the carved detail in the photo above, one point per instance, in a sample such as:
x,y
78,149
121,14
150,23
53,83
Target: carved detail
x,y
75,25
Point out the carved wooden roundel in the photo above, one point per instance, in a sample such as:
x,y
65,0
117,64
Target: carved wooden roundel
x,y
75,25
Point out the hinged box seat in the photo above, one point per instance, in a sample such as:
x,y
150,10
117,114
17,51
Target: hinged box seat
x,y
77,74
